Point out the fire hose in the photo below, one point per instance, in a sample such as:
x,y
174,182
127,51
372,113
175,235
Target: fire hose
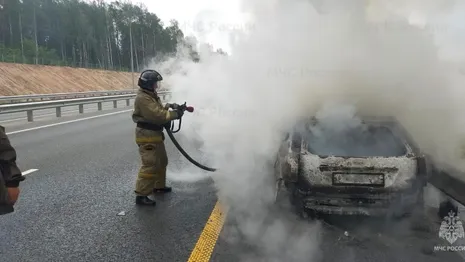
x,y
169,127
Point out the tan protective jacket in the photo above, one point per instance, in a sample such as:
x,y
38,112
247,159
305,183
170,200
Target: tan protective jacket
x,y
149,109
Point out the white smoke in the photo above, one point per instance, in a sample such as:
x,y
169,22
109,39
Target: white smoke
x,y
293,63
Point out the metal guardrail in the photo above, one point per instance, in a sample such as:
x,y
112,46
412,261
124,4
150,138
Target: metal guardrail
x,y
446,180
29,108
56,96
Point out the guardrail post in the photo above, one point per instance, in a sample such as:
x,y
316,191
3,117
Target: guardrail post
x,y
127,102
115,104
81,109
99,106
58,110
30,117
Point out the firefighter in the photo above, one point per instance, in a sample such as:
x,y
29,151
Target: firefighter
x,y
10,175
150,116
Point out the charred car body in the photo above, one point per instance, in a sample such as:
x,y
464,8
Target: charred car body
x,y
372,168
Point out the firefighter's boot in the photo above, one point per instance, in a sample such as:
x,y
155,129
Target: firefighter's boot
x,y
145,201
162,190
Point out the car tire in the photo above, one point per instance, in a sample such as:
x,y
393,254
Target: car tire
x,y
298,205
282,197
310,214
287,198
445,207
417,209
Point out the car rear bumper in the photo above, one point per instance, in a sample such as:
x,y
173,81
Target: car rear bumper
x,y
363,211
352,211
361,204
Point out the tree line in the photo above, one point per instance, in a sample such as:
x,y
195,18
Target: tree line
x,y
85,34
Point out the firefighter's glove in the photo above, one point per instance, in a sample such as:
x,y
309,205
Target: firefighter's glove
x,y
173,106
179,113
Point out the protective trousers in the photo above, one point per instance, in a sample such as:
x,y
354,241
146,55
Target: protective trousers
x,y
152,173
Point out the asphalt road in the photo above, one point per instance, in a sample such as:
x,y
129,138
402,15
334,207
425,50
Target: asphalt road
x,y
86,173
281,237
84,178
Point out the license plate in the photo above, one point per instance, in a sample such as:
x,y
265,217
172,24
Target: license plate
x,y
358,179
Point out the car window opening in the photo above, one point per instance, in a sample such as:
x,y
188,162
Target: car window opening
x,y
364,140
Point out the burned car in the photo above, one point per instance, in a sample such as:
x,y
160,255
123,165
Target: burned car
x,y
369,168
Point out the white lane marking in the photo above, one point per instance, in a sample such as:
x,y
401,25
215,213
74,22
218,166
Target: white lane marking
x,y
29,171
67,122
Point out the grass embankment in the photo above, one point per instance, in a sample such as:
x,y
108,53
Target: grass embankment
x,y
23,79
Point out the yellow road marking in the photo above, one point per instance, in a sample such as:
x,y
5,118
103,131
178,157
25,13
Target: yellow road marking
x,y
207,240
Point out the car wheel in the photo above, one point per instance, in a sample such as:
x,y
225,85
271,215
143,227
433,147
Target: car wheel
x,y
421,198
419,208
409,211
304,214
281,197
310,214
445,207
277,190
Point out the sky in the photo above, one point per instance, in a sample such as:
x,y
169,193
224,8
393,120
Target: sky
x,y
443,18
213,21
209,20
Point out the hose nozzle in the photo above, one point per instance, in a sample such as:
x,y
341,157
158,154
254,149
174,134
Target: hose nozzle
x,y
184,107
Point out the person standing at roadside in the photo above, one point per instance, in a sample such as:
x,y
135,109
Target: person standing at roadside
x,y
10,175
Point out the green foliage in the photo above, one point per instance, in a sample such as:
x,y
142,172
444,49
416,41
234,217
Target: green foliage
x,y
84,34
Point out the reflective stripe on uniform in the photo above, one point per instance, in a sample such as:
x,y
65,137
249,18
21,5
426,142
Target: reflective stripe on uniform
x,y
151,139
146,175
